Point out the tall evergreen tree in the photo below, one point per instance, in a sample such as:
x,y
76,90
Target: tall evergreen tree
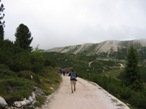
x,y
1,21
132,75
23,37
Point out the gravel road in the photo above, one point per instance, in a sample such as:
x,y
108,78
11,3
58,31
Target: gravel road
x,y
87,96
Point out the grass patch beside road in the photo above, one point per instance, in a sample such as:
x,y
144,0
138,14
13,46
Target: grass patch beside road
x,y
20,85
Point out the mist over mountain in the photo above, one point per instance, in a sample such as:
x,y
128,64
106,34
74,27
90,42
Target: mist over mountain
x,y
108,47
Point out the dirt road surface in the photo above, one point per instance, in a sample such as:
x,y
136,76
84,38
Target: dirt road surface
x,y
87,96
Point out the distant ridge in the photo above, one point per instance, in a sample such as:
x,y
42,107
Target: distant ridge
x,y
97,48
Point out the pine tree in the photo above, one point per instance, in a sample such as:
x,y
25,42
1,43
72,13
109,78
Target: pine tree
x,y
132,75
1,21
23,37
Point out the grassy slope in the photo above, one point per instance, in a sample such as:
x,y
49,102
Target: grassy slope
x,y
99,66
19,86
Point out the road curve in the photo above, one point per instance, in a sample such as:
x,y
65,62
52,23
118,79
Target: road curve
x,y
87,96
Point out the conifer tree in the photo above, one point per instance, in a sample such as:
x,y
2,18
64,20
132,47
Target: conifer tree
x,y
2,23
23,37
132,75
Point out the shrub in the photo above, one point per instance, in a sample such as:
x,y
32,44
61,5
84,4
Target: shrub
x,y
29,75
40,101
7,73
13,89
36,61
21,61
139,100
3,66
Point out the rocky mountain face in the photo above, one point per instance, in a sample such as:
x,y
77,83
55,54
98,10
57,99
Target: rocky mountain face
x,y
108,47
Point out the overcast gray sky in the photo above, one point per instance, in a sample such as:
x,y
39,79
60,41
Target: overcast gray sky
x,y
57,23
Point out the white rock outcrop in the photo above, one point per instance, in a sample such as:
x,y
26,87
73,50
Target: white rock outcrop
x,y
29,101
25,102
2,102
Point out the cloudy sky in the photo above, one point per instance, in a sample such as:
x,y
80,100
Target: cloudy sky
x,y
57,23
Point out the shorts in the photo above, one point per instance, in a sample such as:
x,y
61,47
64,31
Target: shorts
x,y
73,82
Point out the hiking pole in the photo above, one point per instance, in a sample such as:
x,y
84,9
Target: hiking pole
x,y
81,83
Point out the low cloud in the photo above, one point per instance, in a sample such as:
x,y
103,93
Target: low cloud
x,y
55,23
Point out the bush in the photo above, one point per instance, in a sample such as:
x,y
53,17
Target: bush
x,y
29,75
139,100
25,60
13,89
21,61
49,63
126,93
25,74
37,61
3,66
40,101
7,73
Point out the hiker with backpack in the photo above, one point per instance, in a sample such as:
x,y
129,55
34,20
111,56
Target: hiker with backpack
x,y
73,80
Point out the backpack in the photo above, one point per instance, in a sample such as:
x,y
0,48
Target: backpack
x,y
73,75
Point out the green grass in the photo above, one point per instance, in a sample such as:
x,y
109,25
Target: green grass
x,y
40,100
15,88
112,73
20,85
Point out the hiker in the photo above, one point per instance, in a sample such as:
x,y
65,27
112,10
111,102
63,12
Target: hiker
x,y
64,72
73,75
67,71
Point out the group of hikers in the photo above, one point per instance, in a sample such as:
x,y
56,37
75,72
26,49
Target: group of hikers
x,y
64,71
73,75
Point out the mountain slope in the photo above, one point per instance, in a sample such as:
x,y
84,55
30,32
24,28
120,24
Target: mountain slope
x,y
108,47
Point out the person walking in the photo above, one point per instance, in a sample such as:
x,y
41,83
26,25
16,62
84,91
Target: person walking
x,y
73,75
64,71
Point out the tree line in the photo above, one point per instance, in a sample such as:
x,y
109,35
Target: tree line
x,y
19,55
